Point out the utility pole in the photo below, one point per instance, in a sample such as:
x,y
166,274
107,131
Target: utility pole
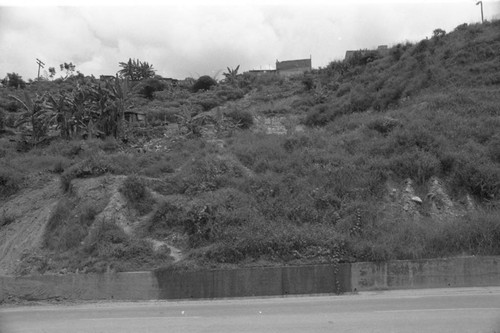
x,y
481,3
40,64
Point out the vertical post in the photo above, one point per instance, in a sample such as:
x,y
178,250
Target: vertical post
x,y
481,3
40,64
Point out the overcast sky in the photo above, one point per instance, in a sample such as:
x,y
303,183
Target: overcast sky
x,y
188,38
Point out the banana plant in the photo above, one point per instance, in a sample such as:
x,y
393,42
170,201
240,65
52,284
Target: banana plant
x,y
61,106
113,116
232,75
37,113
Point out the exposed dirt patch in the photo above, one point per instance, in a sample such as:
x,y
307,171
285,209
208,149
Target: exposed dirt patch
x,y
30,210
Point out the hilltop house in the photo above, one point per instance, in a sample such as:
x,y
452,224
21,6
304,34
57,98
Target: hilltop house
x,y
293,67
381,49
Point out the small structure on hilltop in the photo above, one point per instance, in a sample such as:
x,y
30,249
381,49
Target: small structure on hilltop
x,y
105,78
381,50
293,67
259,72
134,117
169,81
286,68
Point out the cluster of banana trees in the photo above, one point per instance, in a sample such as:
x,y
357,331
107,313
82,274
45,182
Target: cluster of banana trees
x,y
90,109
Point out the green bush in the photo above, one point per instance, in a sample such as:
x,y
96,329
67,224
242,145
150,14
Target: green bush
x,y
63,230
137,194
148,87
10,181
473,234
359,99
206,100
104,238
230,93
384,125
244,119
320,115
208,173
417,165
479,177
166,217
205,82
89,167
2,120
279,242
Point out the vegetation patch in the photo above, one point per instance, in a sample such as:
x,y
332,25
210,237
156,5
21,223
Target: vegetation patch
x,y
137,194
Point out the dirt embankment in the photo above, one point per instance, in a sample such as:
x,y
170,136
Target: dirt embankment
x,y
29,211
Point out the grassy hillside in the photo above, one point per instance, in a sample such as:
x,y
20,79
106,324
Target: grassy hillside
x,y
382,156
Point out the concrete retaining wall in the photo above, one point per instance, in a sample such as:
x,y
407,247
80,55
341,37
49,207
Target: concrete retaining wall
x,y
169,284
259,281
432,273
121,286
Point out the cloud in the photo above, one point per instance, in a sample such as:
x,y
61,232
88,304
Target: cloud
x,y
196,39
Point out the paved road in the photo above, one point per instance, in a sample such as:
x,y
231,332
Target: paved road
x,y
431,310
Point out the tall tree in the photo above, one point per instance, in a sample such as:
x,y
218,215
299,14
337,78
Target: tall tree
x,y
136,70
14,80
69,68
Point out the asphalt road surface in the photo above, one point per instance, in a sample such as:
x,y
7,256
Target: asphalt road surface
x,y
430,310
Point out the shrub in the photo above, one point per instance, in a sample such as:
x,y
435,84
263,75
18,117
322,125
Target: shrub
x,y
230,93
473,234
90,167
103,238
383,125
14,80
417,165
421,47
167,216
360,99
321,114
462,27
208,173
343,89
10,181
494,148
308,82
68,149
296,142
206,100
161,116
303,104
362,58
63,230
388,96
137,194
148,87
479,177
438,33
203,83
109,145
244,119
279,242
2,120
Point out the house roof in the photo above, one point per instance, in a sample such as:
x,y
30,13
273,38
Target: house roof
x,y
293,64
